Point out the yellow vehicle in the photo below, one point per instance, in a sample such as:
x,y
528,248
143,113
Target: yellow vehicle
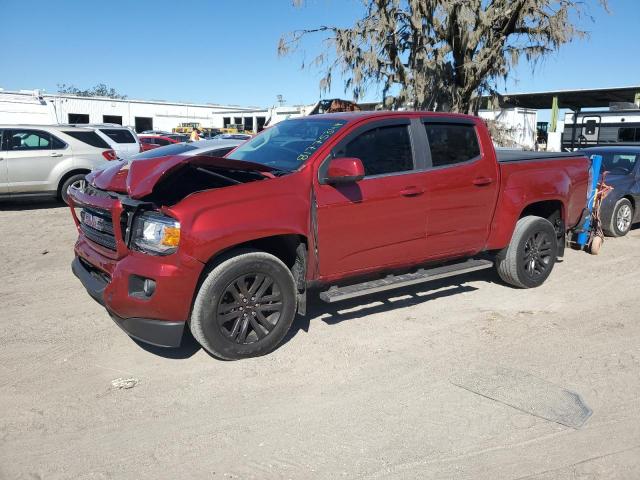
x,y
187,128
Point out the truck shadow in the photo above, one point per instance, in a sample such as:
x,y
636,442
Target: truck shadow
x,y
333,314
30,204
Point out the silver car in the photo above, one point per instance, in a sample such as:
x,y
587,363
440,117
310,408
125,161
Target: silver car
x,y
43,160
213,147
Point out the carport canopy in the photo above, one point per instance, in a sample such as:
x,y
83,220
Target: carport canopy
x,y
572,99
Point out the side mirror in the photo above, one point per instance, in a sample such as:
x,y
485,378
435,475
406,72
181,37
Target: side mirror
x,y
344,170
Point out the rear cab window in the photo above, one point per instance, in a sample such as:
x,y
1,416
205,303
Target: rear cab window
x,y
89,138
119,135
451,143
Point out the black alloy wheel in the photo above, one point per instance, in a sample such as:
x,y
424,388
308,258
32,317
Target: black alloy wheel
x,y
244,306
537,254
250,308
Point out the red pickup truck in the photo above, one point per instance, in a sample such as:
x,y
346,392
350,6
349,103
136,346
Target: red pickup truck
x,y
347,204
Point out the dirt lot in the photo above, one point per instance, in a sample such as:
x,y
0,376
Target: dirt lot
x,y
362,391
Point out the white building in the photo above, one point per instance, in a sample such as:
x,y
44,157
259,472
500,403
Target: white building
x,y
34,107
520,125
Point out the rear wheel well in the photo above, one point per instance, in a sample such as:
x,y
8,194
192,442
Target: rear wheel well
x,y
630,198
68,175
549,209
553,211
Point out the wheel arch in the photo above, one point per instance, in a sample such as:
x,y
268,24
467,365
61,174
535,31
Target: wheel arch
x,y
285,247
67,175
548,209
282,246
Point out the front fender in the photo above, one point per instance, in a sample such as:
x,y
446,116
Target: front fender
x,y
215,220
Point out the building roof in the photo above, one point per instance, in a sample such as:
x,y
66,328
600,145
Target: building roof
x,y
573,99
39,94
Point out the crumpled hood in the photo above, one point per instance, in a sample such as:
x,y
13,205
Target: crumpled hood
x,y
138,177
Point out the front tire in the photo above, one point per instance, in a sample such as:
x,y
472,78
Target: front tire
x,y
531,254
621,218
245,306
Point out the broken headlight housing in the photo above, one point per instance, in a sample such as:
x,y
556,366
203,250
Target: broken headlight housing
x,y
155,233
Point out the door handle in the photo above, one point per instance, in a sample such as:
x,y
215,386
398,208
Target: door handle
x,y
412,191
55,154
482,181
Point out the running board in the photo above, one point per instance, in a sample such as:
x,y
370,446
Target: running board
x,y
336,294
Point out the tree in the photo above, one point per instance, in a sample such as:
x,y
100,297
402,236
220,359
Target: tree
x,y
440,54
100,90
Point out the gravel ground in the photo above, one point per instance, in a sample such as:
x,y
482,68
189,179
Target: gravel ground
x,y
362,390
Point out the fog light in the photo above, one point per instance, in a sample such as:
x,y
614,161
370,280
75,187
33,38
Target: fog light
x,y
149,287
141,288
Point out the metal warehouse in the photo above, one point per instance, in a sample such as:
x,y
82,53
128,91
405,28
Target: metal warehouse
x,y
35,107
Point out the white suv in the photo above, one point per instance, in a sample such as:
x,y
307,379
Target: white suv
x,y
43,160
123,140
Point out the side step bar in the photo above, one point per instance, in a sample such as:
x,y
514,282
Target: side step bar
x,y
336,294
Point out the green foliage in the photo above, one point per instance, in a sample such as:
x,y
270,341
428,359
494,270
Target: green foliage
x,y
100,90
440,54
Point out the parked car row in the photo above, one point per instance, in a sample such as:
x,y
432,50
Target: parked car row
x,y
45,160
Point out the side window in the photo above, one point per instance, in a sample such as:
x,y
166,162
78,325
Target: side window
x,y
452,143
627,134
57,144
29,140
119,135
382,150
161,141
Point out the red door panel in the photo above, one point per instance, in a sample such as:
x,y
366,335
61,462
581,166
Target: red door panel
x,y
375,222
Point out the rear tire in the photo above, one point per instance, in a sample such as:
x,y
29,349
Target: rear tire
x,y
73,179
531,254
621,218
245,306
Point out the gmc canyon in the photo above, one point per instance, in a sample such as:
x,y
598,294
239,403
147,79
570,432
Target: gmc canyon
x,y
346,203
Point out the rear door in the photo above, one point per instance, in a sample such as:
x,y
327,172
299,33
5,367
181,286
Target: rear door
x,y
379,220
461,182
31,156
4,181
124,142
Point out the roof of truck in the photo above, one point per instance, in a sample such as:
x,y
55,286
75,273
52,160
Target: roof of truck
x,y
387,113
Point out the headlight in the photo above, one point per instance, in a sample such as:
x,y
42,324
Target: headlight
x,y
155,233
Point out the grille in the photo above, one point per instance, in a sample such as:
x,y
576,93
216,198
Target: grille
x,y
97,226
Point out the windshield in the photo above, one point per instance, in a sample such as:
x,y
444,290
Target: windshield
x,y
174,149
619,163
288,144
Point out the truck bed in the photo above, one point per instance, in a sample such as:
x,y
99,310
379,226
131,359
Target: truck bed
x,y
505,156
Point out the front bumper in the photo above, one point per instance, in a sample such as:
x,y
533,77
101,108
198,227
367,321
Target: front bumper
x,y
113,276
161,333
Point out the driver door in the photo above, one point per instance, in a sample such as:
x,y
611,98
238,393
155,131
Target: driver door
x,y
381,219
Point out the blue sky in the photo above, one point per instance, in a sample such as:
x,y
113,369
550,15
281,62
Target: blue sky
x,y
225,51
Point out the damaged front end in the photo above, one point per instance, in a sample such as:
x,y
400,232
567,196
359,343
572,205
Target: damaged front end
x,y
125,207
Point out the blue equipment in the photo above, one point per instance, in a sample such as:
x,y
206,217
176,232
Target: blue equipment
x,y
594,177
